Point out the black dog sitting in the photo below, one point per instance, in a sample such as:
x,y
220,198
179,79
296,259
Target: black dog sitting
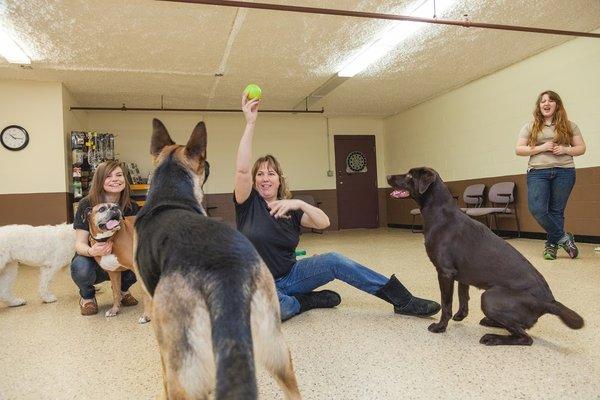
x,y
466,251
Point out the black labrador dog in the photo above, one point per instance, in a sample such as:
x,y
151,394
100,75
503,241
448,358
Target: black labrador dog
x,y
466,251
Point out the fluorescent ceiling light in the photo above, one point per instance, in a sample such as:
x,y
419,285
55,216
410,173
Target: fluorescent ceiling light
x,y
10,50
393,35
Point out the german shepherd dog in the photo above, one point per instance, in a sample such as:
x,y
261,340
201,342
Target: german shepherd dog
x,y
214,303
466,251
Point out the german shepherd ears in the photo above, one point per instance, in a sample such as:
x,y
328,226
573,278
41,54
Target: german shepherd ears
x,y
195,147
426,178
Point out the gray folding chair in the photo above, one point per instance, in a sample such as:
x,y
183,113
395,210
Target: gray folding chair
x,y
500,196
414,212
473,196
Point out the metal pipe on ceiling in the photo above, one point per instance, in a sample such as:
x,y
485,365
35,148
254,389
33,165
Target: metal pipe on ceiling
x,y
207,110
360,14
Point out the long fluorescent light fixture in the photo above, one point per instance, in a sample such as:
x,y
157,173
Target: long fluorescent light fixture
x,y
390,38
10,50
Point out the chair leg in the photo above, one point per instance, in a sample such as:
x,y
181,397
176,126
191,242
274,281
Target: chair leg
x,y
518,224
412,224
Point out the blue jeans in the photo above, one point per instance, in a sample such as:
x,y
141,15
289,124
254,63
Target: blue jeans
x,y
86,272
310,273
547,193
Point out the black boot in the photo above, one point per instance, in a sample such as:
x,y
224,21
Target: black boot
x,y
320,299
405,303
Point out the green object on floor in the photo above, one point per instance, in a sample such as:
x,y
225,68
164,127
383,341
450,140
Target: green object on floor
x,y
299,252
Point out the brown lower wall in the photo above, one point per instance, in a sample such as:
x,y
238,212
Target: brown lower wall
x,y
582,215
34,208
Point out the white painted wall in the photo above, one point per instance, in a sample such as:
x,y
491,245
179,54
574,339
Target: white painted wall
x,y
471,132
40,167
467,133
298,141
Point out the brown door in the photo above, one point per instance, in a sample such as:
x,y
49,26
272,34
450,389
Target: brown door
x,y
356,181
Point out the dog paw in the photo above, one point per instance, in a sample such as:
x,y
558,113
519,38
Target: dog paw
x,y
460,315
16,302
144,319
489,339
437,327
112,312
49,298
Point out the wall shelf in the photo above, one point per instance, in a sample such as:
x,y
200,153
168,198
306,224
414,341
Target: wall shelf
x,y
138,192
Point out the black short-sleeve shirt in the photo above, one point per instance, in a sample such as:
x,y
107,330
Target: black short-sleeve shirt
x,y
81,222
275,239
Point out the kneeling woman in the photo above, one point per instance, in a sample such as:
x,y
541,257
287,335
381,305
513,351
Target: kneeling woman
x,y
267,215
109,185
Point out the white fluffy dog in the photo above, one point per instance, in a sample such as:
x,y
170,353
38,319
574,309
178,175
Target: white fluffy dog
x,y
49,247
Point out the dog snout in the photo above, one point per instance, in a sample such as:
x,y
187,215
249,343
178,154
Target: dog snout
x,y
394,180
115,213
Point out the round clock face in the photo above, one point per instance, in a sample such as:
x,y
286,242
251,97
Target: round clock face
x,y
14,137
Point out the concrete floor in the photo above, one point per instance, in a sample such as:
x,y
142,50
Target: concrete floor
x,y
360,350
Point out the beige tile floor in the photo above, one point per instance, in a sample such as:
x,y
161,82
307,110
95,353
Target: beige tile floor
x,y
360,350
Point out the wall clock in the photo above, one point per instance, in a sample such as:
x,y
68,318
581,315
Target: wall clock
x,y
14,137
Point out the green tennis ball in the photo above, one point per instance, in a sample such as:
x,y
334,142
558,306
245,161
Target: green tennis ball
x,y
253,91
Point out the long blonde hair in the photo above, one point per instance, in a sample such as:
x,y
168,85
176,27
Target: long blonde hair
x,y
97,194
562,127
282,192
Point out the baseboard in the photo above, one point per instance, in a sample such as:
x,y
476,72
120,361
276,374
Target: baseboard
x,y
512,234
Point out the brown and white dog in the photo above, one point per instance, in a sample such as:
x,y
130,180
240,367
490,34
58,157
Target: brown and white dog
x,y
107,224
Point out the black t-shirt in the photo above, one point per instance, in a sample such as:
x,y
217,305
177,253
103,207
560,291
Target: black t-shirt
x,y
81,222
275,239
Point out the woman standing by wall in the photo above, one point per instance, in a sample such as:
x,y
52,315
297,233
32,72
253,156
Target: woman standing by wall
x,y
551,141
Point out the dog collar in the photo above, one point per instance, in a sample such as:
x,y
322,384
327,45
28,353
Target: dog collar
x,y
157,209
102,239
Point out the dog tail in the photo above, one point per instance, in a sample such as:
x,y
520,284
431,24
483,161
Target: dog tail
x,y
568,316
232,344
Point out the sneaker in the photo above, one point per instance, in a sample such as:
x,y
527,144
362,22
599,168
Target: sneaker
x,y
89,308
550,251
568,243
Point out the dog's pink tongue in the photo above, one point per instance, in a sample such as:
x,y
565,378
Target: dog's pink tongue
x,y
399,194
112,224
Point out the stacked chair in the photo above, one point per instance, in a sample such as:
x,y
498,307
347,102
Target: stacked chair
x,y
500,196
